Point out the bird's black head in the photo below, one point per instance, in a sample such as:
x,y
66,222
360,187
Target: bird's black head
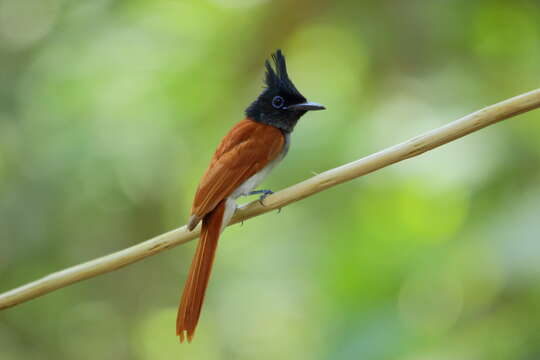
x,y
280,104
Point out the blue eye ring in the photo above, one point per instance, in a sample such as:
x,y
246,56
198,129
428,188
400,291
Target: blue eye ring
x,y
278,102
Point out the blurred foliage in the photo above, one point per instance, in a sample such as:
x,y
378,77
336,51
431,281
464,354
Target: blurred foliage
x,y
110,111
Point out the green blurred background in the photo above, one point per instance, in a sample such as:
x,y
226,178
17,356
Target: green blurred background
x,y
110,111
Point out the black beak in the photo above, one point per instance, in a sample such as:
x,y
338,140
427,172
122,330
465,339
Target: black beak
x,y
306,106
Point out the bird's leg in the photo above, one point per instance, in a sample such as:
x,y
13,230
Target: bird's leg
x,y
264,193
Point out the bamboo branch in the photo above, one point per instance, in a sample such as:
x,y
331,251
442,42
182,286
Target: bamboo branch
x,y
323,181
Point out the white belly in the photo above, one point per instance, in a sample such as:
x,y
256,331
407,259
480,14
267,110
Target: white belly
x,y
254,181
251,183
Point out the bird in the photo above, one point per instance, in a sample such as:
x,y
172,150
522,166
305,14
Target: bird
x,y
244,157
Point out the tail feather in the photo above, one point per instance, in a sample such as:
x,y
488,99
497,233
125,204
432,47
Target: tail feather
x,y
199,273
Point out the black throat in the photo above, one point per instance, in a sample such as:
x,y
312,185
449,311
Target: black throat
x,y
281,120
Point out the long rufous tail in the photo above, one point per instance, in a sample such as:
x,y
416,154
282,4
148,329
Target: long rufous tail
x,y
199,273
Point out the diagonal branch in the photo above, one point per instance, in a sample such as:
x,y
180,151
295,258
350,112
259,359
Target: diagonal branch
x,y
323,181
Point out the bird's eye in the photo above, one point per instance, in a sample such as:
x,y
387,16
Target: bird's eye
x,y
278,102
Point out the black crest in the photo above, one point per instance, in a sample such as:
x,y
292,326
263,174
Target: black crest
x,y
279,79
272,107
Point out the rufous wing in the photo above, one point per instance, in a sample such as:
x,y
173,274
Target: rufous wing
x,y
243,152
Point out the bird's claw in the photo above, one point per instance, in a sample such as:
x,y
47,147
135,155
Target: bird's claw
x,y
264,195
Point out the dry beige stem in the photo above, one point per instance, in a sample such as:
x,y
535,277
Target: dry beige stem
x,y
333,177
